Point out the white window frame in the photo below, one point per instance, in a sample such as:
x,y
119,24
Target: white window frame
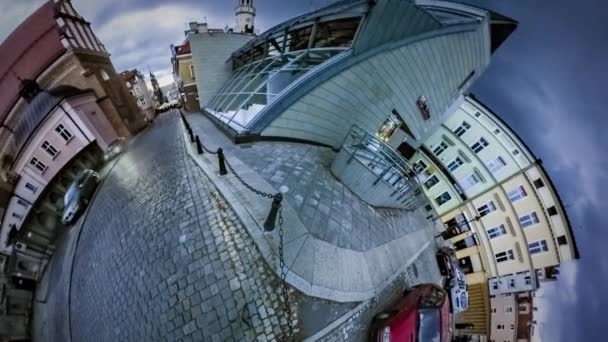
x,y
428,179
469,181
462,129
497,231
61,130
529,219
38,165
538,247
480,145
31,187
50,149
437,198
455,164
504,256
486,208
440,149
495,165
517,194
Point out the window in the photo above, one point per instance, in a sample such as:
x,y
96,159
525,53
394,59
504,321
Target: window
x,y
500,326
104,75
486,209
428,207
462,128
444,197
505,256
419,166
509,308
17,216
552,211
561,240
431,182
138,90
65,134
192,71
539,246
512,326
477,114
528,280
468,181
496,164
40,166
439,149
528,219
494,309
515,152
539,183
455,164
50,149
497,231
517,194
479,145
511,284
31,188
22,202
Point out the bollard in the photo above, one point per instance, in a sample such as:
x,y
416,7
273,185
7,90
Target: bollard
x,y
220,158
199,147
274,210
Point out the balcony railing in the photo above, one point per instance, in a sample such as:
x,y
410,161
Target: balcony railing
x,y
377,173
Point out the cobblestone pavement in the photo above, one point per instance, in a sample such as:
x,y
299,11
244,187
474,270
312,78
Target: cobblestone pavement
x,y
329,210
356,328
162,257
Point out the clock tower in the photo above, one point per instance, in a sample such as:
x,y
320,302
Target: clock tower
x,y
245,16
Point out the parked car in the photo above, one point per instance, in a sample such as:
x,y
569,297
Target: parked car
x,y
455,279
115,148
421,315
78,195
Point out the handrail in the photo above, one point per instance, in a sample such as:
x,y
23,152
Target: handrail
x,y
386,163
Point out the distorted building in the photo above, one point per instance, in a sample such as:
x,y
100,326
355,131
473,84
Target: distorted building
x,y
502,213
365,78
136,83
62,103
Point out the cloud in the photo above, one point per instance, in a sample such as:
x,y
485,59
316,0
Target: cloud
x,y
13,13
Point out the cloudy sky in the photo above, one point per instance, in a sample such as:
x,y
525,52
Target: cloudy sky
x,y
547,81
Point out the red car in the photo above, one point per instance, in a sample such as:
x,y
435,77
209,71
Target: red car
x,y
422,315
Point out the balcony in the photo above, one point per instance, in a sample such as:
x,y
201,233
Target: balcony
x,y
376,172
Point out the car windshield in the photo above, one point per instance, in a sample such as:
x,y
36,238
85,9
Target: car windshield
x,y
71,193
429,325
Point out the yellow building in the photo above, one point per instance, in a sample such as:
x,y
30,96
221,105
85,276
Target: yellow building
x,y
501,211
183,73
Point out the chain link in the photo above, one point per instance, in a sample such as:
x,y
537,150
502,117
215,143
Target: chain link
x,y
284,276
284,290
251,188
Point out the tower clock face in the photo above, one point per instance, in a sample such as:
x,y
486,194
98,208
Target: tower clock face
x,y
248,20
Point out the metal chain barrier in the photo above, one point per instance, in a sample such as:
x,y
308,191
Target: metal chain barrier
x,y
284,291
276,205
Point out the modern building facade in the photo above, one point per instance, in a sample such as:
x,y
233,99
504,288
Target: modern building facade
x,y
501,211
136,83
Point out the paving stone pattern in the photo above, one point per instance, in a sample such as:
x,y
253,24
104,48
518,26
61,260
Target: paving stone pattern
x,y
356,328
330,211
162,257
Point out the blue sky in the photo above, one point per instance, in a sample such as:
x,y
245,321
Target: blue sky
x,y
547,81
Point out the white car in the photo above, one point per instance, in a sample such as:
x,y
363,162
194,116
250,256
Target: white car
x,y
458,292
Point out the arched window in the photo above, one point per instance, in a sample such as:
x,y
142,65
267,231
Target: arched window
x,y
104,75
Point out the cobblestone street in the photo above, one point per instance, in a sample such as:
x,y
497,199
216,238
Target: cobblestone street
x,y
162,257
